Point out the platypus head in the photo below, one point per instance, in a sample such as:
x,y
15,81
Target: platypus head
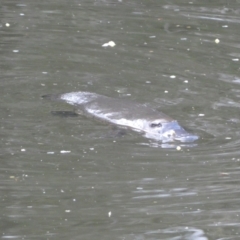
x,y
170,131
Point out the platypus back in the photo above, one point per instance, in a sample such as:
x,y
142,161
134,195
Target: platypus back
x,y
139,117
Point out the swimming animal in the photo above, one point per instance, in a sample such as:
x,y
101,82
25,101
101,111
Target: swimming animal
x,y
154,124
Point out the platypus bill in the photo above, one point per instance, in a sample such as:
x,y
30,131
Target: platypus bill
x,y
154,124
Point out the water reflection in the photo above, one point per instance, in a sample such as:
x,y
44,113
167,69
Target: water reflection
x,y
185,233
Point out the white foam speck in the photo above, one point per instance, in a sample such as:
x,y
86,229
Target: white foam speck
x,y
109,44
65,151
50,152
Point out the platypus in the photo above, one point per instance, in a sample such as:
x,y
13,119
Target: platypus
x,y
154,124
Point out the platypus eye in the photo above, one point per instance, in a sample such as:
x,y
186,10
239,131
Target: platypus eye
x,y
153,125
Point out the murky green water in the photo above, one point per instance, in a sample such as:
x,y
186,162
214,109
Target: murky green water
x,y
70,178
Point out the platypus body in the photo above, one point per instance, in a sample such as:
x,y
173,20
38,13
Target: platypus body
x,y
154,124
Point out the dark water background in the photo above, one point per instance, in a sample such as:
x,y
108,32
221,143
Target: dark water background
x,y
119,188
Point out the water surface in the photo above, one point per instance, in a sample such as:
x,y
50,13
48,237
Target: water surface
x,y
70,178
